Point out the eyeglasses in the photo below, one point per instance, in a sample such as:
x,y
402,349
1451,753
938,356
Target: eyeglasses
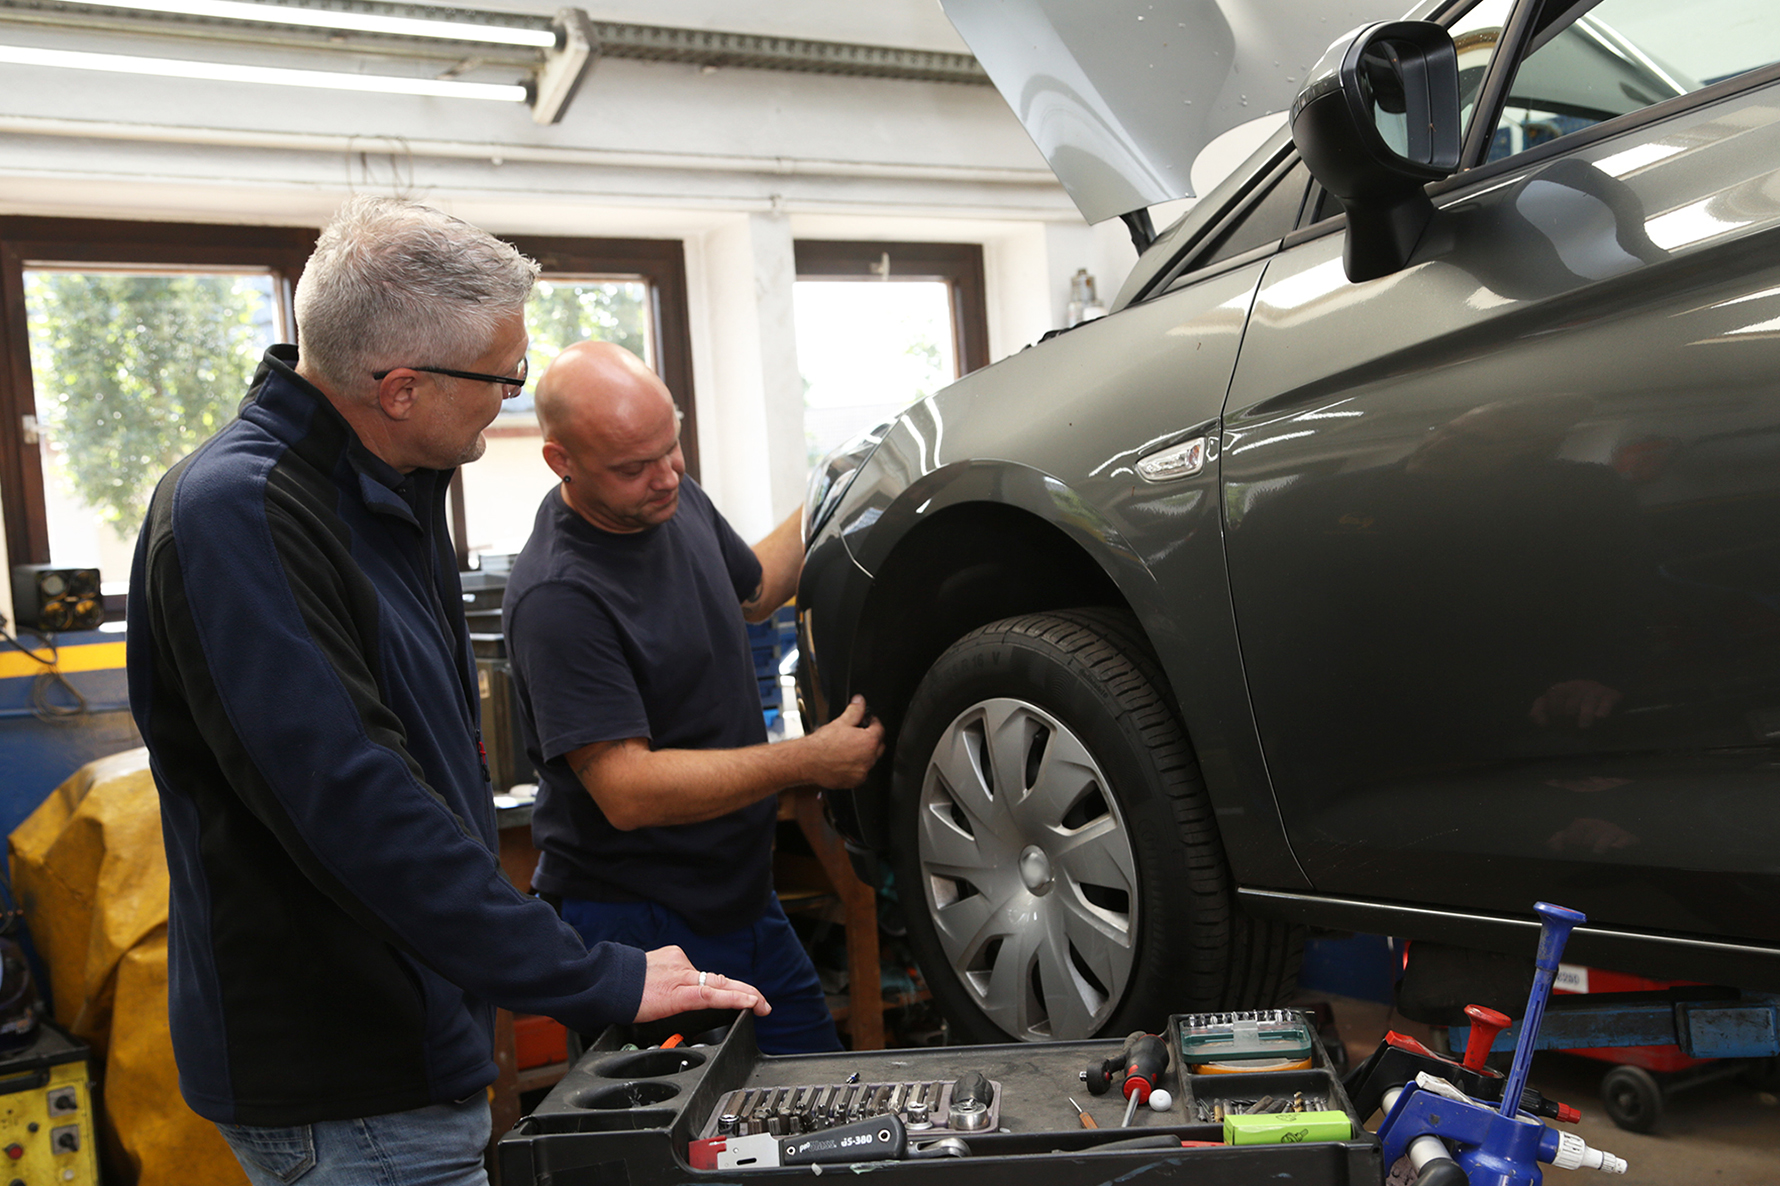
x,y
511,385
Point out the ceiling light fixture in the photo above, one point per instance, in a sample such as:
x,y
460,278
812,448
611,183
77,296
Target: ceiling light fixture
x,y
352,22
230,72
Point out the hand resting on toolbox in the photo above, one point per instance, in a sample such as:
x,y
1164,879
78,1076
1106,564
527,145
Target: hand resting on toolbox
x,y
672,985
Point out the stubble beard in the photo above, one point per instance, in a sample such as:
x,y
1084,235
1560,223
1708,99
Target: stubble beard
x,y
649,515
473,451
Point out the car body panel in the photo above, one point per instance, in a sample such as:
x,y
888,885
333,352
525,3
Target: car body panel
x,y
1030,432
1447,516
1122,95
1598,502
1193,229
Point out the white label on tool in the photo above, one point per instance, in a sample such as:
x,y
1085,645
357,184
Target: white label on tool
x,y
1440,1086
1571,978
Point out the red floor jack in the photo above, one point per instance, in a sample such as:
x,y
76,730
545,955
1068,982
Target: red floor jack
x,y
1635,1090
1453,1139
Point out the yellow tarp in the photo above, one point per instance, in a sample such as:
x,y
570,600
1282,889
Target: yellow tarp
x,y
90,872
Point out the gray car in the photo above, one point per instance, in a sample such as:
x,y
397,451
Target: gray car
x,y
1402,549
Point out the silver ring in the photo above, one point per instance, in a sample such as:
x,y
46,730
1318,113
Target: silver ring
x,y
701,978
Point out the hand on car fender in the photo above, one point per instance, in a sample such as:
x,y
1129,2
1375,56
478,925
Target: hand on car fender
x,y
843,751
672,985
1598,836
1583,701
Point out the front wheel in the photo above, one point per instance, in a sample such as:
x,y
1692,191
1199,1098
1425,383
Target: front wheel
x,y
1054,847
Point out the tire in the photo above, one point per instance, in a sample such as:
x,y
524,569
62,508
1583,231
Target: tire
x,y
1633,1097
1057,855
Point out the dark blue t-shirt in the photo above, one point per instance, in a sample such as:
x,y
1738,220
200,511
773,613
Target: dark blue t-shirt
x,y
639,635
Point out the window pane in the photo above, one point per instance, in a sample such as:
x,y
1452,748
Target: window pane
x,y
132,371
1268,220
1476,35
1594,62
503,489
866,350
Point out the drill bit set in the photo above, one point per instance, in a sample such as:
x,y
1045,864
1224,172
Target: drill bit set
x,y
1213,1111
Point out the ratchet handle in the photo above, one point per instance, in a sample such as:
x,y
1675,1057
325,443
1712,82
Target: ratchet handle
x,y
875,1138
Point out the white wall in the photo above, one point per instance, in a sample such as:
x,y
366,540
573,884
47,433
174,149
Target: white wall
x,y
735,163
751,427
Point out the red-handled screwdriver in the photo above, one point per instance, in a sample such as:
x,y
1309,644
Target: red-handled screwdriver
x,y
1144,1065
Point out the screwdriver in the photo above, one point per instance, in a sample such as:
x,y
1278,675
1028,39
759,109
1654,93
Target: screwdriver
x,y
1087,1120
1143,1067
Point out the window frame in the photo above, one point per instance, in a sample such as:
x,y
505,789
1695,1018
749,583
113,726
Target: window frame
x,y
1474,167
1207,257
958,265
29,241
661,263
1187,267
1475,172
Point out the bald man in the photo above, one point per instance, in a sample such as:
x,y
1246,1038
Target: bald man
x,y
638,700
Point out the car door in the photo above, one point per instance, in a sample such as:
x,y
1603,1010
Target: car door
x,y
1503,527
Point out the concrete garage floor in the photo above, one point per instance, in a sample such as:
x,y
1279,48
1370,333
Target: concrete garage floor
x,y
1723,1133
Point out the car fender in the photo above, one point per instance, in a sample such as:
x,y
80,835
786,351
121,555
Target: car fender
x,y
1129,533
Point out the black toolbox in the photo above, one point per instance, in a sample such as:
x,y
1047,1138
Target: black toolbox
x,y
628,1118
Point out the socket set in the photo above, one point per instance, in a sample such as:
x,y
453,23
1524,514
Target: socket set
x,y
921,1105
1231,1040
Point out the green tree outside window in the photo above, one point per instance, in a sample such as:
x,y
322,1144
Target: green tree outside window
x,y
134,371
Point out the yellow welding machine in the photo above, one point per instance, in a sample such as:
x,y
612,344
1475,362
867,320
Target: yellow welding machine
x,y
48,1135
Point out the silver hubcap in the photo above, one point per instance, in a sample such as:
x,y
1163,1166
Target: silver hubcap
x,y
1028,873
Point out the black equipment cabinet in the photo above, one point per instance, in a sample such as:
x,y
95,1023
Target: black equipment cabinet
x,y
627,1118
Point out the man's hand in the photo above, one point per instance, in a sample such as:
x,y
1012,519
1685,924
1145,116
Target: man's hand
x,y
639,787
1584,701
842,753
671,985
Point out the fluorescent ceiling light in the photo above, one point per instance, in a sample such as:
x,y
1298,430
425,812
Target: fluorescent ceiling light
x,y
229,72
357,22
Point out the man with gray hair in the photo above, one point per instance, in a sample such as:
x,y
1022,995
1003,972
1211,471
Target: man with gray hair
x,y
340,930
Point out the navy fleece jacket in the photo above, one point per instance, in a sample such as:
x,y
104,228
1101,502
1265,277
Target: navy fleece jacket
x,y
340,929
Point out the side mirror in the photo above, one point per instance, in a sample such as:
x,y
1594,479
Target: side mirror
x,y
1377,121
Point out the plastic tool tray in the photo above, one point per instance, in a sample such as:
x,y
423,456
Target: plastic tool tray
x,y
627,1118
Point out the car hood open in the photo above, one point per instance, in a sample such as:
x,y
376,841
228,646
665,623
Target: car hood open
x,y
1122,95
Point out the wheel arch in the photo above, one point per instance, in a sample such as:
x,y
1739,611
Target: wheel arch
x,y
963,566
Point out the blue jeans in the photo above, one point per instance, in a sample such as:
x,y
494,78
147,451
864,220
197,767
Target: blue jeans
x,y
437,1146
767,955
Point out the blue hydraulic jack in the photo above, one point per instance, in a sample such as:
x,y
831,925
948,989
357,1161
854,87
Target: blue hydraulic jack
x,y
1454,1140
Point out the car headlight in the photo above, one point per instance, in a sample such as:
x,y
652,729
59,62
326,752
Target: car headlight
x,y
830,479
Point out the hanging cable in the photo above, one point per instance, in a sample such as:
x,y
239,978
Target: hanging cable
x,y
43,705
